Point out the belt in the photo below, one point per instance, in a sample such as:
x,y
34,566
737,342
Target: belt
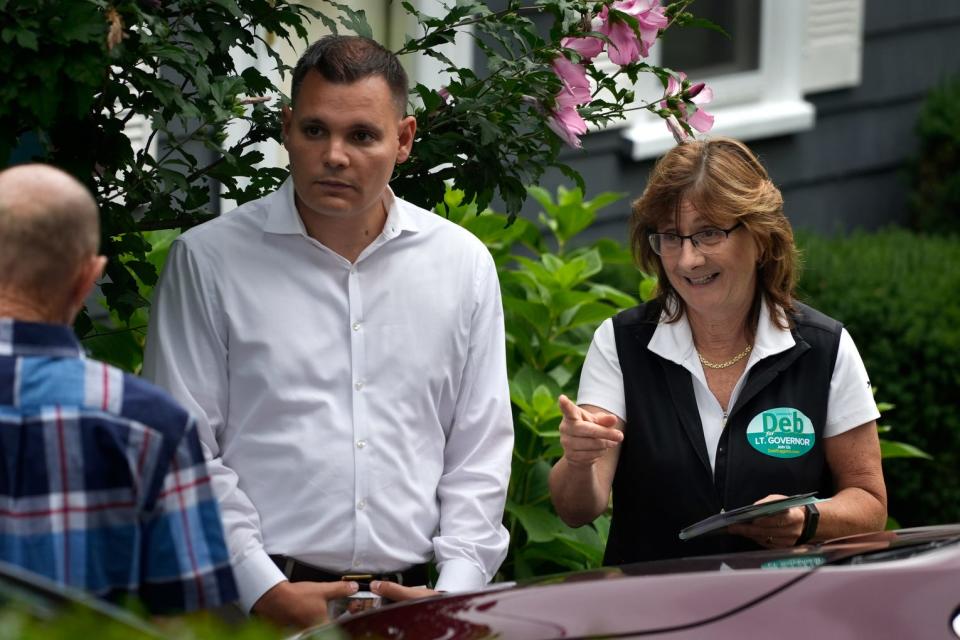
x,y
297,571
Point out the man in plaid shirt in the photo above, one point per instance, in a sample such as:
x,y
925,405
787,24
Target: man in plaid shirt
x,y
103,485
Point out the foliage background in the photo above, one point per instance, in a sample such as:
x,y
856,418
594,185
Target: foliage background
x,y
934,171
101,61
896,293
555,293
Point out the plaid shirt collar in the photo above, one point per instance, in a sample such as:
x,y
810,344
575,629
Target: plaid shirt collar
x,y
38,339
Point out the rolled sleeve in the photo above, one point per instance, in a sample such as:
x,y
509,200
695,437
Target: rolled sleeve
x,y
256,574
457,575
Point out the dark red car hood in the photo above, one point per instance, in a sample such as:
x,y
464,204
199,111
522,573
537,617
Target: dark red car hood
x,y
678,596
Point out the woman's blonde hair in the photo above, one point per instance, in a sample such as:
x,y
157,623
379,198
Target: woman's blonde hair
x,y
726,183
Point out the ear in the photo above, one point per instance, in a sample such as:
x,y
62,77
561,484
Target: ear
x,y
87,274
405,134
286,117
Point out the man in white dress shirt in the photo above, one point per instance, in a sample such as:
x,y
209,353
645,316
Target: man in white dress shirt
x,y
344,351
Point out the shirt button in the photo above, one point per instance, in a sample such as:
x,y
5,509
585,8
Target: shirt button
x,y
358,385
362,504
356,326
361,444
356,563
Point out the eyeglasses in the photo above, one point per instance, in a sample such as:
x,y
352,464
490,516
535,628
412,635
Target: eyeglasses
x,y
706,240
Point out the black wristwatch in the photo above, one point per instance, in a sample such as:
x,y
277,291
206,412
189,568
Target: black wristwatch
x,y
811,519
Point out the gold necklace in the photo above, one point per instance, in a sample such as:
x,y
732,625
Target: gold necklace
x,y
723,365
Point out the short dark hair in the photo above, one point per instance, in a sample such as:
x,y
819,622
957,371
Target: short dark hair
x,y
346,59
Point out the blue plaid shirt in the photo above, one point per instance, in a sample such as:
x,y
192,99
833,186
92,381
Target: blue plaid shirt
x,y
103,485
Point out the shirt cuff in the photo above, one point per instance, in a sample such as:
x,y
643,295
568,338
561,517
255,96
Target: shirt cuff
x,y
458,574
255,575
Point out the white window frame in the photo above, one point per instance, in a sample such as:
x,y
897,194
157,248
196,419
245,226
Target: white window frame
x,y
806,46
748,105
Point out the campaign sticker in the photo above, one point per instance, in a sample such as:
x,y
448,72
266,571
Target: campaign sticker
x,y
799,562
783,432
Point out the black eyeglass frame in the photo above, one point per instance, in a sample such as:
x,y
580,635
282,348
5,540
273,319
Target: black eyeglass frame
x,y
692,237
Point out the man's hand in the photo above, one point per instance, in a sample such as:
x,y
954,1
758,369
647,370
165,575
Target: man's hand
x,y
585,436
397,592
301,604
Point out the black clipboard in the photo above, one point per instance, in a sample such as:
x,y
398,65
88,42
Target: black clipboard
x,y
746,513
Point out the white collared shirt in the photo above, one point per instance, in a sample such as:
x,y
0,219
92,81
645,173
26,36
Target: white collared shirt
x,y
850,405
356,416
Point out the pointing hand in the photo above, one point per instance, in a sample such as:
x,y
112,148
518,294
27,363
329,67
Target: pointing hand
x,y
585,435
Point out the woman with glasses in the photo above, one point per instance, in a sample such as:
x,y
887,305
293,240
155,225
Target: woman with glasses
x,y
724,390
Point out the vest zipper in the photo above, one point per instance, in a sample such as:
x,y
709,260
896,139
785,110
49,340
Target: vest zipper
x,y
723,427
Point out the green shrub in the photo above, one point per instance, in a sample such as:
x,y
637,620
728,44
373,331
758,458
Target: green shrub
x,y
24,619
935,171
896,292
554,297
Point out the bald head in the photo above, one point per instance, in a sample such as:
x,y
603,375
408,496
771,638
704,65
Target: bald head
x,y
49,228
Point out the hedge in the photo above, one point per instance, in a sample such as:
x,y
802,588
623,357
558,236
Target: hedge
x,y
897,293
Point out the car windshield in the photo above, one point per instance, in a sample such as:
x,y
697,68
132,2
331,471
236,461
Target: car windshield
x,y
899,552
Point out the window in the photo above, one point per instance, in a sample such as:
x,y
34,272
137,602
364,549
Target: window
x,y
778,51
705,53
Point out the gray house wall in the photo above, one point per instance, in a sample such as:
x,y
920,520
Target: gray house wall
x,y
846,172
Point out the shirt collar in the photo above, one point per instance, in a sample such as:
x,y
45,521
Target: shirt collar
x,y
674,341
283,218
19,338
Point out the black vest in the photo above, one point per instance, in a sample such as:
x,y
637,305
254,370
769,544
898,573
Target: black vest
x,y
663,481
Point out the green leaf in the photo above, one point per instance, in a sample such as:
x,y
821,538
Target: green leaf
x,y
353,19
538,521
538,481
26,39
602,525
554,553
578,270
489,132
122,348
893,449
160,242
648,289
81,23
230,6
591,315
706,24
537,315
525,382
544,403
613,295
199,41
146,272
